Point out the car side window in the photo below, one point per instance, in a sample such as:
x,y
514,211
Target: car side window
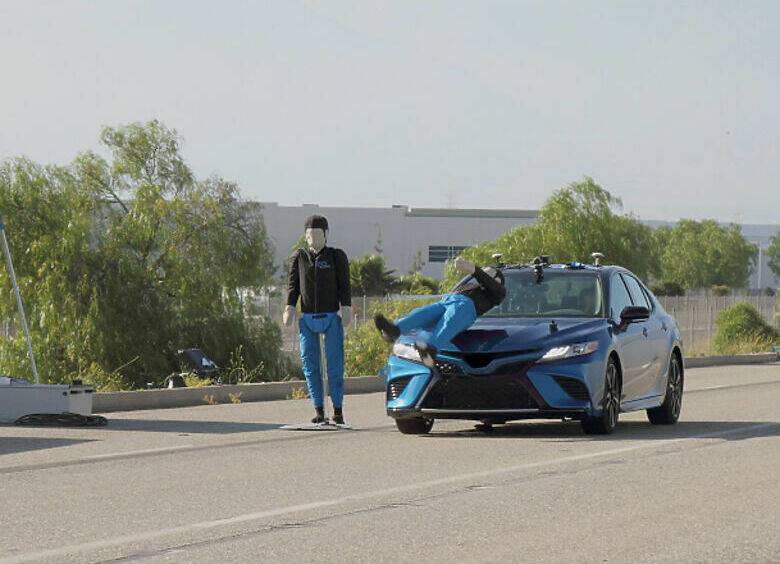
x,y
637,295
619,297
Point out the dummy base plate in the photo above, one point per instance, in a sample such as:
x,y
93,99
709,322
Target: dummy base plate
x,y
317,427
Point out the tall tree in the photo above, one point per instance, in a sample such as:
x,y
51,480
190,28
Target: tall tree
x,y
369,276
773,252
698,254
574,222
123,262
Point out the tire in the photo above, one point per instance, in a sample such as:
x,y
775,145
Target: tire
x,y
669,411
414,426
605,423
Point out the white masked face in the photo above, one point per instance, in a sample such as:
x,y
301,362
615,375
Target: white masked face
x,y
315,238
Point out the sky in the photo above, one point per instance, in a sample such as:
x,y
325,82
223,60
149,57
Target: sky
x,y
672,106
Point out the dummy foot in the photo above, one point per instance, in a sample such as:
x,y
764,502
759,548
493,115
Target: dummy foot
x,y
319,417
427,353
389,331
338,416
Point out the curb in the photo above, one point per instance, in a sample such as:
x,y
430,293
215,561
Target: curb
x,y
107,402
703,361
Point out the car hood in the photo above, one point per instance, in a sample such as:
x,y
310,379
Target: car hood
x,y
523,334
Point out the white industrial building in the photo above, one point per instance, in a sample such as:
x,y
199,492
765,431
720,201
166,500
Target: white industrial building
x,y
436,233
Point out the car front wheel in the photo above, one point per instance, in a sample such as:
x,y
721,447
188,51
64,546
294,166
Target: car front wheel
x,y
669,411
414,426
606,422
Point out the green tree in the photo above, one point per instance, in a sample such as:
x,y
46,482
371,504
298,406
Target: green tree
x,y
574,222
123,262
417,263
702,254
773,252
417,284
369,276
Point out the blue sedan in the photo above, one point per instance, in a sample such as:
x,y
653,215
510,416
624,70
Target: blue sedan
x,y
568,341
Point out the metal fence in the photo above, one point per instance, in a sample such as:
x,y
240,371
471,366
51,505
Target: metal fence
x,y
696,315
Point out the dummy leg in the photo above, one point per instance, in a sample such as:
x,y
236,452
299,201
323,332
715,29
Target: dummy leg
x,y
459,315
425,316
334,354
310,358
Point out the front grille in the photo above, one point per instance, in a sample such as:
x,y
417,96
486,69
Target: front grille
x,y
396,387
480,392
575,388
482,359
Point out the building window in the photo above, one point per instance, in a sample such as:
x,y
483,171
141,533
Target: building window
x,y
441,253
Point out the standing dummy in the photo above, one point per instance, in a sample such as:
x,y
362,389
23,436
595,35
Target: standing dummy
x,y
319,275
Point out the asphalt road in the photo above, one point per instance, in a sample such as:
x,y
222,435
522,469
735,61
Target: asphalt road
x,y
225,484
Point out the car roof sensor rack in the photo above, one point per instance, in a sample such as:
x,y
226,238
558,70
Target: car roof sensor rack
x,y
596,256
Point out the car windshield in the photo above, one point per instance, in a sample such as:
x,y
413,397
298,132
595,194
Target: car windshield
x,y
561,293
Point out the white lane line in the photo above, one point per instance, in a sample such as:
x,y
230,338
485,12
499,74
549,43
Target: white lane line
x,y
92,458
133,453
730,386
205,525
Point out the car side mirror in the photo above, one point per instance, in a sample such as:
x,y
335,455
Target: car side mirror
x,y
630,314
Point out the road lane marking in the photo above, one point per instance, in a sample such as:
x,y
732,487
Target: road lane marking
x,y
166,450
251,442
238,519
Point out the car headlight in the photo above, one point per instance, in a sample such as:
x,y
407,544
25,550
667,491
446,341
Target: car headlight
x,y
568,351
408,352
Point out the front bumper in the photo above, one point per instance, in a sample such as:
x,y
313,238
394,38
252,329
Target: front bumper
x,y
503,390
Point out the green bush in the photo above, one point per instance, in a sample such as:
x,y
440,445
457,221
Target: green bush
x,y
364,350
417,284
741,329
667,289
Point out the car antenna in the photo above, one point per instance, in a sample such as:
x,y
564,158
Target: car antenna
x,y
553,326
596,256
497,258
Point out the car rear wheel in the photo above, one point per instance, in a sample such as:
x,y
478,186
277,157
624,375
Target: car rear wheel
x,y
606,422
414,426
669,411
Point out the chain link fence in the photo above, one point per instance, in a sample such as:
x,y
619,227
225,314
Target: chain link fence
x,y
696,315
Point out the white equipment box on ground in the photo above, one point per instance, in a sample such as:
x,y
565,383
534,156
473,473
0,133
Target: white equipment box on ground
x,y
17,400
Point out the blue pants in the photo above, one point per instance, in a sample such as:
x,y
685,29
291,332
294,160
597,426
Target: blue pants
x,y
445,319
309,328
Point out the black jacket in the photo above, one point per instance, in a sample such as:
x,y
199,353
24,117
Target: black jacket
x,y
483,290
324,288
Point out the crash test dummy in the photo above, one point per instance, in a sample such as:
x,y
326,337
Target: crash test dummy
x,y
472,297
319,276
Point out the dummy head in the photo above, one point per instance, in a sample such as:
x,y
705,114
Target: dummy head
x,y
316,228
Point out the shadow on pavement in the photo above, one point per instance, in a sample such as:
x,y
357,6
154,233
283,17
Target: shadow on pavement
x,y
11,445
182,426
626,430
